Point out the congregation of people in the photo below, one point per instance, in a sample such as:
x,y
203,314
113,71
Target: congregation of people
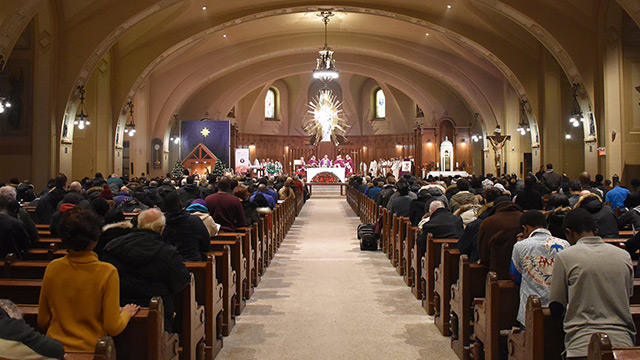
x,y
115,264
544,232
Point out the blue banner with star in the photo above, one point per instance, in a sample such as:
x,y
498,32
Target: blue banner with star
x,y
215,135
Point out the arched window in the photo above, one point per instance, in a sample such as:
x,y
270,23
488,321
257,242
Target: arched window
x,y
380,105
270,104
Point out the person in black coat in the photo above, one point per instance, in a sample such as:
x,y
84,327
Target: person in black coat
x,y
148,266
114,227
529,198
184,231
468,242
605,219
189,192
13,234
250,208
48,203
442,224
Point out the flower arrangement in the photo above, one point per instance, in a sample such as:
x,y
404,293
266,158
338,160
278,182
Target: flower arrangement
x,y
429,165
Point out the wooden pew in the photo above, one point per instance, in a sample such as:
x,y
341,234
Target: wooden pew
x,y
470,285
401,240
227,278
50,253
210,293
600,348
429,263
393,244
256,247
417,284
543,338
193,315
444,276
496,312
410,240
105,350
143,338
238,264
544,331
263,234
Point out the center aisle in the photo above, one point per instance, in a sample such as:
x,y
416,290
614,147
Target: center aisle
x,y
322,298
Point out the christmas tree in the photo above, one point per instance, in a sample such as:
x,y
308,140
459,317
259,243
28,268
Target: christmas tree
x,y
218,169
178,170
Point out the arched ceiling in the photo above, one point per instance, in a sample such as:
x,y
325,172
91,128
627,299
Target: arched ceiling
x,y
474,47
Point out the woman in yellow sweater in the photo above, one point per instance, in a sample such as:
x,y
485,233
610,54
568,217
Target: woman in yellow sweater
x,y
80,296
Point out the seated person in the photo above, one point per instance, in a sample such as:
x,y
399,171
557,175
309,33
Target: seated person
x,y
605,219
250,208
13,234
80,295
185,231
400,202
592,283
532,259
262,189
20,341
442,224
147,265
199,207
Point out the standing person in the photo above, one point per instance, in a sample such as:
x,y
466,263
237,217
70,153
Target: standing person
x,y
497,235
185,231
325,162
532,259
80,295
550,179
529,198
48,203
225,208
592,283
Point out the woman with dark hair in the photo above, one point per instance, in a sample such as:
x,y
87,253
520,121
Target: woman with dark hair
x,y
80,295
250,208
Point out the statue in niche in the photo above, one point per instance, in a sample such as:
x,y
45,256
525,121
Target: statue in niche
x,y
447,161
497,141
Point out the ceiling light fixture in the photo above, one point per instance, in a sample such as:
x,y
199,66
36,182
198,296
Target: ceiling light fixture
x,y
448,6
325,65
567,136
82,115
130,126
224,36
523,124
204,8
426,34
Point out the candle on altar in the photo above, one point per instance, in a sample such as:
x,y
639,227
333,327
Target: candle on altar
x,y
438,164
456,164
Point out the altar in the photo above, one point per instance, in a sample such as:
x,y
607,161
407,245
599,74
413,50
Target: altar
x,y
339,172
448,173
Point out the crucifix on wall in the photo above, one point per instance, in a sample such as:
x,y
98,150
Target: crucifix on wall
x,y
497,141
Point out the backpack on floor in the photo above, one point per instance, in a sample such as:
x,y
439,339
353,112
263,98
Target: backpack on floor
x,y
367,236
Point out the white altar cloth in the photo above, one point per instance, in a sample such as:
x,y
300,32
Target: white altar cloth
x,y
448,173
313,171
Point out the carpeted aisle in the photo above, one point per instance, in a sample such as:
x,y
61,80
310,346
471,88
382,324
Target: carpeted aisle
x,y
322,298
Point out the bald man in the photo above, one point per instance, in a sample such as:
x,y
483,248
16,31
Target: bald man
x,y
75,187
442,224
147,265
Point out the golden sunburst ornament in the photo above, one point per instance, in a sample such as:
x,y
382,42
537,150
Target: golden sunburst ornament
x,y
205,132
326,123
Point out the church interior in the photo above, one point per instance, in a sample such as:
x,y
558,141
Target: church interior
x,y
461,88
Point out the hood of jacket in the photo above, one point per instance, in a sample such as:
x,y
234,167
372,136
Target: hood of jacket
x,y
137,248
506,207
464,197
591,203
176,217
118,225
433,189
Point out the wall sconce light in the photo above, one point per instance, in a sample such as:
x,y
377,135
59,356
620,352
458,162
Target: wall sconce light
x,y
364,148
463,142
429,142
252,146
175,139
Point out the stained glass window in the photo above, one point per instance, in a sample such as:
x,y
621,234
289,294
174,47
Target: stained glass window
x,y
270,104
381,109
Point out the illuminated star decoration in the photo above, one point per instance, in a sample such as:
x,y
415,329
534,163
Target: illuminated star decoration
x,y
205,132
327,123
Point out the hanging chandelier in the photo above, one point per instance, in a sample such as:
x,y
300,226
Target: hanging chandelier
x,y
576,115
523,124
326,123
82,115
130,126
476,136
325,65
4,100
